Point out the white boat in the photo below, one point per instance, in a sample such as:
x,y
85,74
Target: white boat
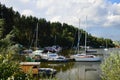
x,y
52,56
60,59
91,51
36,53
49,56
84,56
106,49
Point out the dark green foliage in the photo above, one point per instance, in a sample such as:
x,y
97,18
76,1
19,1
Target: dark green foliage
x,y
1,28
24,27
10,68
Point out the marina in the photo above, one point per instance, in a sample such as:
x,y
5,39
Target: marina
x,y
83,70
42,40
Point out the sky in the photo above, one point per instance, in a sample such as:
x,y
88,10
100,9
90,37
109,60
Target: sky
x,y
100,18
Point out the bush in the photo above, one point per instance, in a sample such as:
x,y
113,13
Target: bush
x,y
111,67
10,69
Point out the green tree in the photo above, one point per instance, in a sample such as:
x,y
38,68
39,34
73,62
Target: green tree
x,y
111,67
1,28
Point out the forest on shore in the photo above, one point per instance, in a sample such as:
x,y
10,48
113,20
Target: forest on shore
x,y
20,29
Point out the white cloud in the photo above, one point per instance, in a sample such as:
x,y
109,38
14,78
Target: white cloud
x,y
113,20
25,1
50,11
116,9
100,13
43,3
96,10
15,9
4,1
27,12
56,18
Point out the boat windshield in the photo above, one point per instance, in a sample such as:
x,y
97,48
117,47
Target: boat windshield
x,y
52,55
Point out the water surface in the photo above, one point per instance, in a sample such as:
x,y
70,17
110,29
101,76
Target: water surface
x,y
79,70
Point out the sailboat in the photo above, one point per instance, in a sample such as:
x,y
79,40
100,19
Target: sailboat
x,y
87,50
37,52
84,56
106,46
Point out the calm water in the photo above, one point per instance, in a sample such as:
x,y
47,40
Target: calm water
x,y
78,70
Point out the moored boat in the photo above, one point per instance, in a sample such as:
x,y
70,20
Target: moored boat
x,y
84,56
47,72
59,59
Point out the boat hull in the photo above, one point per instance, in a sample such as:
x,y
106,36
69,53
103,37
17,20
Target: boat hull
x,y
58,60
91,51
96,59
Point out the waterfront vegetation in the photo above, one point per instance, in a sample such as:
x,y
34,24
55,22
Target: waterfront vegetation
x,y
111,67
9,68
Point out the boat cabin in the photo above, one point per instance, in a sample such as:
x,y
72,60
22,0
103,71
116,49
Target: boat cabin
x,y
30,67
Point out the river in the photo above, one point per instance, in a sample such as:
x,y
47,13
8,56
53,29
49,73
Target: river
x,y
79,70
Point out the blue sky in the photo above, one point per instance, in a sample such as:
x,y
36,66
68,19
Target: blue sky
x,y
113,1
103,16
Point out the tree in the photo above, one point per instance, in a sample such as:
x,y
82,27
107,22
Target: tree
x,y
1,28
111,67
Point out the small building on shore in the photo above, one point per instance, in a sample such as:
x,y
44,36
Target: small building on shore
x,y
30,67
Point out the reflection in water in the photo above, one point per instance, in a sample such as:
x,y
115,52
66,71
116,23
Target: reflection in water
x,y
59,66
78,70
81,71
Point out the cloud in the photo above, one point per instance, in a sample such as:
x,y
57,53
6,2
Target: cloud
x,y
27,12
15,9
4,1
68,9
97,11
25,1
113,20
56,18
50,11
101,14
43,3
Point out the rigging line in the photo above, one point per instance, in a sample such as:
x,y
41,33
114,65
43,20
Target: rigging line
x,y
79,38
36,36
86,36
33,37
74,38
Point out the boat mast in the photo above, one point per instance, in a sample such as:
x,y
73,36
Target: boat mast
x,y
106,43
78,37
55,40
86,36
36,36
